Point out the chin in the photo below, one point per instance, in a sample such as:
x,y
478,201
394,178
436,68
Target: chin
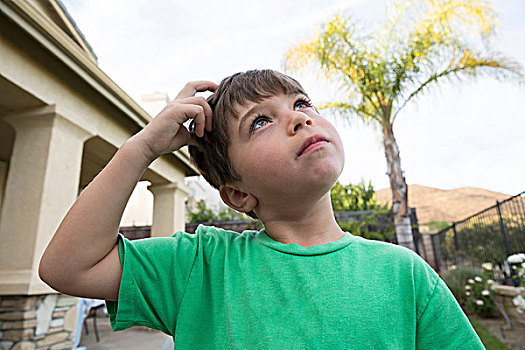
x,y
326,175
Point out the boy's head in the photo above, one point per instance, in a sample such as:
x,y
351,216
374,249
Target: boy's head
x,y
212,153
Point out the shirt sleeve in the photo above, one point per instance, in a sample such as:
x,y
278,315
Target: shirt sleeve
x,y
443,324
155,272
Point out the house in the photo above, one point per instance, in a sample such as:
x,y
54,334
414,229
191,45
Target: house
x,y
61,121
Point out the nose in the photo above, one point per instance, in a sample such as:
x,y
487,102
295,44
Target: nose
x,y
298,120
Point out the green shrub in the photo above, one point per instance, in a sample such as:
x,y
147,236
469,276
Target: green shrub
x,y
378,225
205,214
480,296
456,278
471,288
481,241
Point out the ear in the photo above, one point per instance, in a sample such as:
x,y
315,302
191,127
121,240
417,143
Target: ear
x,y
237,199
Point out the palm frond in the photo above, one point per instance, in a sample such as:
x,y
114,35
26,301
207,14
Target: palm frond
x,y
442,27
343,110
422,43
468,65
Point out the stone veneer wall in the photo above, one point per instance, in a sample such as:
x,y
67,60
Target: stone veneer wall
x,y
30,322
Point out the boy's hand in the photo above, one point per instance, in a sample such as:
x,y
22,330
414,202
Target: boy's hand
x,y
166,132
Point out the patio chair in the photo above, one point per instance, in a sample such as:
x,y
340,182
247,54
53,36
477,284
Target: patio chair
x,y
87,308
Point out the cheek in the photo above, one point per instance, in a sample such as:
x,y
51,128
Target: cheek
x,y
268,171
269,165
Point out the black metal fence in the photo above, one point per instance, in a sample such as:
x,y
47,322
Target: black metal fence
x,y
488,236
370,224
418,240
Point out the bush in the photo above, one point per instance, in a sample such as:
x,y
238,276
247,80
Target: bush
x,y
456,277
205,214
377,225
482,240
517,269
354,197
471,288
479,296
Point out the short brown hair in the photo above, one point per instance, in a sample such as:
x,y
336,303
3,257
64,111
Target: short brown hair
x,y
211,154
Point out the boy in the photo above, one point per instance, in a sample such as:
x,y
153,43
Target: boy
x,y
299,283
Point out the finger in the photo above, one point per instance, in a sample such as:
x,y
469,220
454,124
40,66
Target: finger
x,y
191,88
182,112
195,112
199,100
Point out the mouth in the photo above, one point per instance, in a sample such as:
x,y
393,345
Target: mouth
x,y
312,143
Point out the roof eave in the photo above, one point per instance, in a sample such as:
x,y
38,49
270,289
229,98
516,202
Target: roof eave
x,y
58,43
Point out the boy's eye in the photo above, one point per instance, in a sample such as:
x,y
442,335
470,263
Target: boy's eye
x,y
258,122
302,103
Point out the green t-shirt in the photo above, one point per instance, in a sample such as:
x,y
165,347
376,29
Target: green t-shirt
x,y
226,290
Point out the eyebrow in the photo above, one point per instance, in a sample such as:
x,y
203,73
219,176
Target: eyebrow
x,y
247,115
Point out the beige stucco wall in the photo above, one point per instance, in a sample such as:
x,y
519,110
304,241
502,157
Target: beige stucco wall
x,y
61,121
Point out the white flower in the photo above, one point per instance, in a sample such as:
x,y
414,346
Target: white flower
x,y
489,281
467,294
471,281
479,302
467,287
519,302
486,266
453,267
516,258
485,292
478,279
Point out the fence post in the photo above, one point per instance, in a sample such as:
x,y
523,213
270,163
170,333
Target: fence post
x,y
456,243
503,228
436,258
416,236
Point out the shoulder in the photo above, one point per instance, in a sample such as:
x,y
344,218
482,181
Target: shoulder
x,y
212,232
390,262
385,250
396,258
203,236
214,237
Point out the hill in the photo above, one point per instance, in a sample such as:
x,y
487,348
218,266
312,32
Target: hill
x,y
445,205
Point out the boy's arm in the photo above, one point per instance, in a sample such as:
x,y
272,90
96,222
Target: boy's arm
x,y
82,257
444,325
85,240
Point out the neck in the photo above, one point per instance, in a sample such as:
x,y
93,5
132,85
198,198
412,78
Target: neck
x,y
308,225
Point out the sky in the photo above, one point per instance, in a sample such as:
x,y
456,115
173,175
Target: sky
x,y
467,134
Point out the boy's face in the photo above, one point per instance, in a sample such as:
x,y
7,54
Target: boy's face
x,y
267,150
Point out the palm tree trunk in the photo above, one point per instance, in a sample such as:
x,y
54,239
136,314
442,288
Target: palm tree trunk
x,y
399,189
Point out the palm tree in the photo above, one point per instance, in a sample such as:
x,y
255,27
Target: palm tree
x,y
422,44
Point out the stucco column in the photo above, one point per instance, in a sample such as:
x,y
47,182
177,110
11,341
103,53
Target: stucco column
x,y
42,184
168,208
